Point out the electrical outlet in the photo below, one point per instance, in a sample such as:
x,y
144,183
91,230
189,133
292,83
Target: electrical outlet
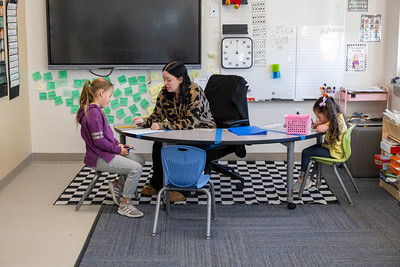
x,y
297,111
213,11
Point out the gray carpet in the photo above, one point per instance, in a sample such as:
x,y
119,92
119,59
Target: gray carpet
x,y
366,234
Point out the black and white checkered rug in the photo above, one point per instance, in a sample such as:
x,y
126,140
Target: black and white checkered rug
x,y
265,183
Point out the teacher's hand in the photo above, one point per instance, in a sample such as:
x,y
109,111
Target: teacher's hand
x,y
155,126
137,120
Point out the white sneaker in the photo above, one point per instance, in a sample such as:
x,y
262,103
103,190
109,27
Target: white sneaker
x,y
297,185
129,210
115,190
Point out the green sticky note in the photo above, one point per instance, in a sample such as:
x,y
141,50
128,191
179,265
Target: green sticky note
x,y
142,89
42,96
107,78
117,93
78,83
114,103
110,119
61,83
132,81
122,79
62,74
74,109
58,100
144,103
123,101
128,90
137,97
76,94
107,110
69,102
137,115
84,80
52,95
37,76
141,79
51,86
133,109
67,93
47,76
128,120
120,113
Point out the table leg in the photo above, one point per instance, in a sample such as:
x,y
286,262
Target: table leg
x,y
290,168
122,139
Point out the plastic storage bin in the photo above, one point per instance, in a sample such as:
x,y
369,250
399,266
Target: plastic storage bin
x,y
297,124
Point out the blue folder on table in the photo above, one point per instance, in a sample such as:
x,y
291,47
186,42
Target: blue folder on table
x,y
247,130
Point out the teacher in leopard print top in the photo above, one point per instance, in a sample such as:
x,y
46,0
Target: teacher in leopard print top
x,y
181,105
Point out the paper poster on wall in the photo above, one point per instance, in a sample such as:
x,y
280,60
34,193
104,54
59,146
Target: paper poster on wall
x,y
357,6
370,30
356,58
12,40
3,73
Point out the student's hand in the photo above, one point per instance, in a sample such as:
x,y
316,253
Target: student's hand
x,y
137,120
124,151
155,126
314,124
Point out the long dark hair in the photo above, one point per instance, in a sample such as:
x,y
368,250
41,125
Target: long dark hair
x,y
328,107
178,69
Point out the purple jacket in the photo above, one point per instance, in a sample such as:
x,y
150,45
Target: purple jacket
x,y
98,136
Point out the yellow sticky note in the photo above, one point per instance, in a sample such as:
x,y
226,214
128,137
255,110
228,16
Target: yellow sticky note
x,y
195,74
212,56
150,109
154,98
39,87
160,85
210,67
154,76
154,90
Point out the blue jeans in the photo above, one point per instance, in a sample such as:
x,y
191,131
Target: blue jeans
x,y
316,150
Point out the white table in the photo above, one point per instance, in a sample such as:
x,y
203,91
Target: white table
x,y
199,136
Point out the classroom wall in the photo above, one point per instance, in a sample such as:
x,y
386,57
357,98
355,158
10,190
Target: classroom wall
x,y
53,129
15,131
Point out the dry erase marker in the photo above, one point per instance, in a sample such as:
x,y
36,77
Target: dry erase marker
x,y
128,148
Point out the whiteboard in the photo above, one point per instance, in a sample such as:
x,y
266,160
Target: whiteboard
x,y
306,39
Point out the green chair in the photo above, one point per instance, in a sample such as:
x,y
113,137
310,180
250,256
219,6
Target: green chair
x,y
334,163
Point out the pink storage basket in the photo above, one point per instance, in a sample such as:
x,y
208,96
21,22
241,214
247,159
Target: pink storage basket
x,y
297,124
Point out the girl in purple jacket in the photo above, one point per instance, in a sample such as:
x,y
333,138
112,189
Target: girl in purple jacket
x,y
103,151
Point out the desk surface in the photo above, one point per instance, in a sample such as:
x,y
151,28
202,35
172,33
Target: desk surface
x,y
202,136
198,136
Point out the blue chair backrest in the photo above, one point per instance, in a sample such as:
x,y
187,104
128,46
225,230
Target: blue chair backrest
x,y
183,165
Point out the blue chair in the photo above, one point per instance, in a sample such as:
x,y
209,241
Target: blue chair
x,y
183,171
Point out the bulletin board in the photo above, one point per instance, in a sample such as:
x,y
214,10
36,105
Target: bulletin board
x,y
306,39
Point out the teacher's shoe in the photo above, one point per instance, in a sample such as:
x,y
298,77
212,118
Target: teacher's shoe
x,y
297,185
176,196
129,210
149,191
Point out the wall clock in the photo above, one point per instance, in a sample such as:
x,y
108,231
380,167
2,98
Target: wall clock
x,y
237,52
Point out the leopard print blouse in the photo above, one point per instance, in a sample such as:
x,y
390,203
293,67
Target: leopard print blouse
x,y
170,114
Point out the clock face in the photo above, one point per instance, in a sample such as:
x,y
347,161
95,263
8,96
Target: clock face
x,y
237,52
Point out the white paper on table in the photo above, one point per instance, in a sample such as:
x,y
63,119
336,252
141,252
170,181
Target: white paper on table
x,y
143,131
274,125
